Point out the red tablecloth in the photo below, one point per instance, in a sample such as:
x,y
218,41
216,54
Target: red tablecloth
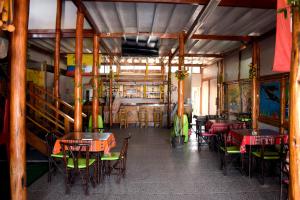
x,y
222,125
99,142
244,137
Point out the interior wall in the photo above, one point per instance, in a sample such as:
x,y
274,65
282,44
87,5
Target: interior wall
x,y
231,66
267,50
66,86
42,58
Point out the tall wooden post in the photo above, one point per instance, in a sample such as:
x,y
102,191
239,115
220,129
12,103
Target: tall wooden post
x,y
255,75
110,91
57,50
95,109
294,119
181,82
201,89
169,92
17,142
78,68
221,89
282,104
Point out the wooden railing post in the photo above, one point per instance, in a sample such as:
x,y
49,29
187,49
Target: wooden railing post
x,y
181,82
67,125
78,68
17,140
294,115
95,109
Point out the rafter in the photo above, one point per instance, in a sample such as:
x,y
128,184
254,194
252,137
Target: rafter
x,y
88,33
79,4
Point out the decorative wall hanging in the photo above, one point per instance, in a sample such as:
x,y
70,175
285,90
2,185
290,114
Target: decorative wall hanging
x,y
6,15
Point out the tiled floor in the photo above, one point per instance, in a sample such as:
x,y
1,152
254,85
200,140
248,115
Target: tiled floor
x,y
158,172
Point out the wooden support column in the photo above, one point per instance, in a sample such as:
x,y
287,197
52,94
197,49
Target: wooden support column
x,y
17,142
78,68
201,89
255,76
169,92
282,104
110,91
95,106
57,51
221,87
294,119
181,82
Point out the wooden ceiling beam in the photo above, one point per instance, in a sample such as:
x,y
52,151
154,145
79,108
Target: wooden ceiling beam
x,y
88,33
266,4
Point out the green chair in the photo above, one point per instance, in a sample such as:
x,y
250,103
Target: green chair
x,y
53,159
185,130
227,152
100,124
119,158
265,153
77,160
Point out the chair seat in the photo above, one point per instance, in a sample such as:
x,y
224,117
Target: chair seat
x,y
58,155
112,156
81,163
268,155
231,149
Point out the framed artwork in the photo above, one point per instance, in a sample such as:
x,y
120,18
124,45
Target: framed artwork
x,y
269,102
233,98
246,97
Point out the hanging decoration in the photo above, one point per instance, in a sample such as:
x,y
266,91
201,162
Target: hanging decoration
x,y
6,15
181,74
252,71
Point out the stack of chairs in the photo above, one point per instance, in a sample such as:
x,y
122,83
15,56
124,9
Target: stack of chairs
x,y
157,117
143,118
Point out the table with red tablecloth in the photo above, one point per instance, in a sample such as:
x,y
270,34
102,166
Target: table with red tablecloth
x,y
100,142
221,125
244,137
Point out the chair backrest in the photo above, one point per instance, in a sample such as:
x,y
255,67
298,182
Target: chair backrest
x,y
50,141
75,150
123,153
221,139
100,122
240,125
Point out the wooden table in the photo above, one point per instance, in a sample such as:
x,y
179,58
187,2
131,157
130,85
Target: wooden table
x,y
100,142
244,137
221,125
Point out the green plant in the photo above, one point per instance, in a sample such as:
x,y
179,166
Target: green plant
x,y
181,74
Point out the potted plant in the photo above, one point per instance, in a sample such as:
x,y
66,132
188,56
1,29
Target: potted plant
x,y
177,137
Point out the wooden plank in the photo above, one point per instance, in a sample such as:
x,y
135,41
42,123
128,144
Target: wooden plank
x,y
294,119
17,142
266,4
95,104
78,68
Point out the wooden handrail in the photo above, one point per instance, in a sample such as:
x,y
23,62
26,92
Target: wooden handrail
x,y
45,116
39,125
44,91
70,119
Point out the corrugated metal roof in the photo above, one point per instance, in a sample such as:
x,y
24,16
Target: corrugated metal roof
x,y
114,17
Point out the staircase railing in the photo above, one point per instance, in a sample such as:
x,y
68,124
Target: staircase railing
x,y
45,94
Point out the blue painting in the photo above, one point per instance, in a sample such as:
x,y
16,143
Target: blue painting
x,y
269,105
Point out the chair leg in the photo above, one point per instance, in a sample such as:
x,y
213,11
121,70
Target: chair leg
x,y
49,170
225,165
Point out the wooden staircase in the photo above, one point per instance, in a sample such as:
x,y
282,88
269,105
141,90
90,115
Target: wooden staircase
x,y
43,117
